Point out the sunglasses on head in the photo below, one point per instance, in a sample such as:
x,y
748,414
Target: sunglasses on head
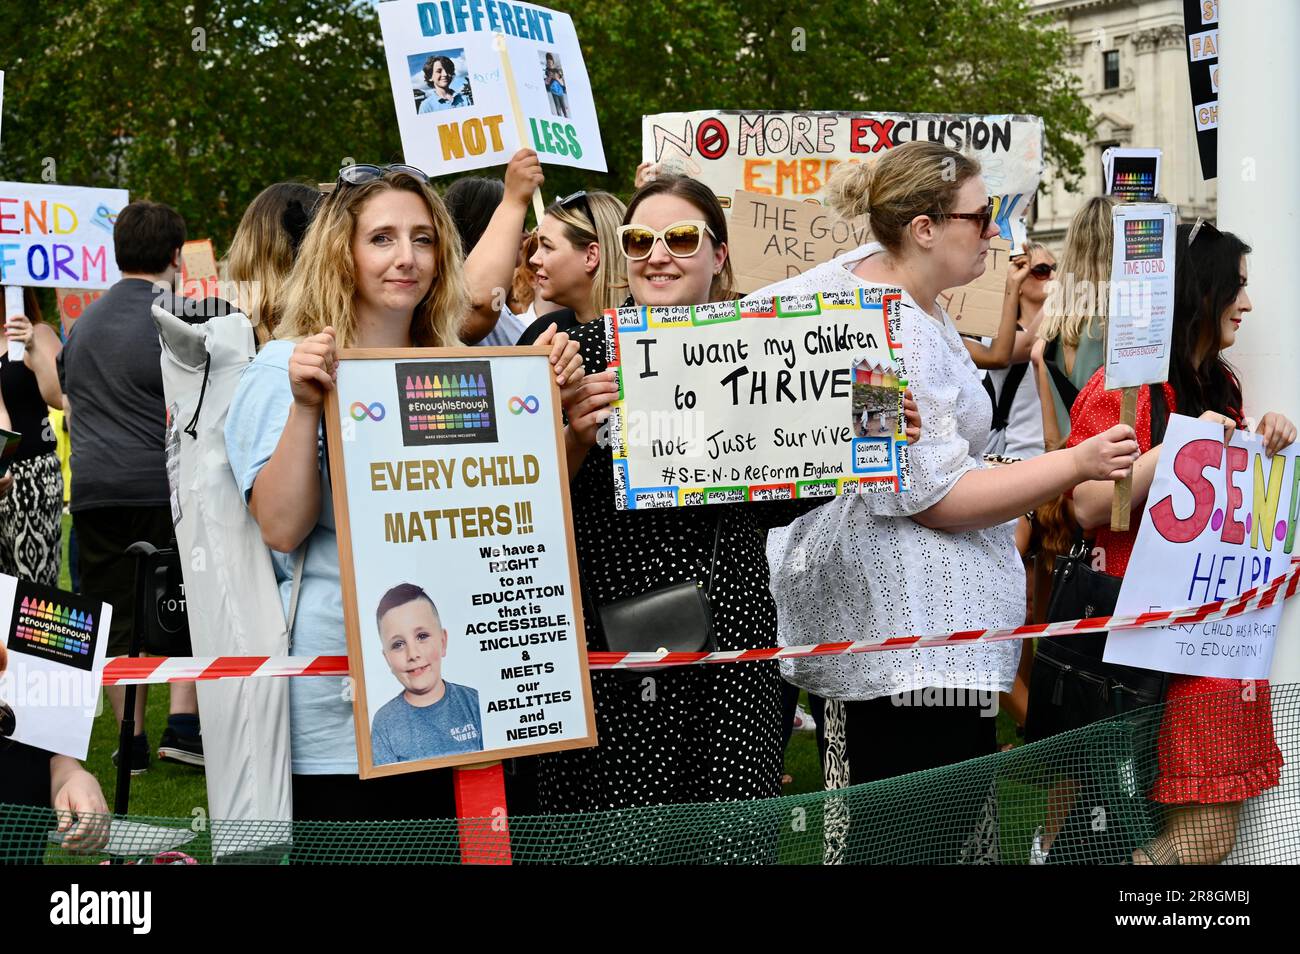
x,y
682,239
364,172
577,200
983,218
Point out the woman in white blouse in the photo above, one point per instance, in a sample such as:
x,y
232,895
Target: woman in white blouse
x,y
941,556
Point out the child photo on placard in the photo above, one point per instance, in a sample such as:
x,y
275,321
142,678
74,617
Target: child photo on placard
x,y
553,79
440,80
431,717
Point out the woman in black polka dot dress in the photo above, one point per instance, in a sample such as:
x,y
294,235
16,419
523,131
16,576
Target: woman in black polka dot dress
x,y
693,733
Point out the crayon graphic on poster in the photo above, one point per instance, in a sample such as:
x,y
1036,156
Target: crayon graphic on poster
x,y
57,642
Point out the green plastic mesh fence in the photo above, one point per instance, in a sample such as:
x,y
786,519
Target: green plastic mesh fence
x,y
1083,797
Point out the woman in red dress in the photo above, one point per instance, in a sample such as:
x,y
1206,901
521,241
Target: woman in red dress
x,y
1216,745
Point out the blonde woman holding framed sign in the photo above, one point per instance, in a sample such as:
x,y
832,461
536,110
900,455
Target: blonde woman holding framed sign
x,y
380,267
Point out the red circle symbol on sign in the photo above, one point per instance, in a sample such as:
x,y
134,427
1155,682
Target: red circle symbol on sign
x,y
711,138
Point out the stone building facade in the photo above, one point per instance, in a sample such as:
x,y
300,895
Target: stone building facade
x,y
1130,56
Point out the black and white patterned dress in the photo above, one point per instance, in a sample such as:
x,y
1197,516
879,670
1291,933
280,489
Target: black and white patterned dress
x,y
694,733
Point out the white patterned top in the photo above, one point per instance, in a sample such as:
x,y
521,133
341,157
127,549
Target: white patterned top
x,y
860,567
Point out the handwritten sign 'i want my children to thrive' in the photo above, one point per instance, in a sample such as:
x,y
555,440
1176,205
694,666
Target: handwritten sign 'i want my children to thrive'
x,y
761,399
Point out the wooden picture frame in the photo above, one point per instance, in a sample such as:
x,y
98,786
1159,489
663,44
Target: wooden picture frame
x,y
356,626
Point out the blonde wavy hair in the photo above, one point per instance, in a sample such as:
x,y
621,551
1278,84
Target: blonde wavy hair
x,y
1081,302
322,287
609,284
262,252
913,179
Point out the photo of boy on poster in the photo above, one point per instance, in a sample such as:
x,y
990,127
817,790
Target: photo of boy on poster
x,y
430,717
553,80
438,82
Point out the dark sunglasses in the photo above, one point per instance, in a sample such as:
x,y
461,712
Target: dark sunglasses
x,y
577,200
983,218
1042,271
363,172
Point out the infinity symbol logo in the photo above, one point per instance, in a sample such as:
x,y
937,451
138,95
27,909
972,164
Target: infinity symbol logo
x,y
360,412
529,404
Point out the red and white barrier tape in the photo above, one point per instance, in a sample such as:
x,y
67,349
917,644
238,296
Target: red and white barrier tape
x,y
123,670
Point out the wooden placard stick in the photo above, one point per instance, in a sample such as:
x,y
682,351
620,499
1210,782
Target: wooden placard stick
x,y
1121,500
499,43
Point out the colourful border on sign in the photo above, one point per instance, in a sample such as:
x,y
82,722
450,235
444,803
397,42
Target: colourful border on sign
x,y
636,318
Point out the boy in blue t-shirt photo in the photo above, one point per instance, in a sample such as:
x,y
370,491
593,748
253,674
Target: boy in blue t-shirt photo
x,y
431,717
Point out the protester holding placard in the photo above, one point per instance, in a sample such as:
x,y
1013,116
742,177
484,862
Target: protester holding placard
x,y
940,557
35,777
31,516
1073,329
1216,745
263,250
380,267
577,267
693,734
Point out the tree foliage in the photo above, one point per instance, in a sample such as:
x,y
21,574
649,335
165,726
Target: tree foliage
x,y
202,104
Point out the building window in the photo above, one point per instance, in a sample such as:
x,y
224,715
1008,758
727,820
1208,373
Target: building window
x,y
1110,69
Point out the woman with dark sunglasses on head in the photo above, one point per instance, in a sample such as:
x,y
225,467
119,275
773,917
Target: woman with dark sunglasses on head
x,y
577,265
952,563
380,267
1215,747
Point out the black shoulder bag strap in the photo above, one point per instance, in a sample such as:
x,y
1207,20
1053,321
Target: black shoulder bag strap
x,y
1064,386
1010,385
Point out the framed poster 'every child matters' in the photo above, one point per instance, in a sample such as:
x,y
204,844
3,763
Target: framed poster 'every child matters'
x,y
456,555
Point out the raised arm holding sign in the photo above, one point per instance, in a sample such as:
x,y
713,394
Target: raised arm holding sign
x,y
474,83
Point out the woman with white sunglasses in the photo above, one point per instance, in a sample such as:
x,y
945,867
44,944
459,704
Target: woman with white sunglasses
x,y
695,733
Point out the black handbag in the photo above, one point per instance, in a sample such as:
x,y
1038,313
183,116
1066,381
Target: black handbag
x,y
676,617
1070,685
